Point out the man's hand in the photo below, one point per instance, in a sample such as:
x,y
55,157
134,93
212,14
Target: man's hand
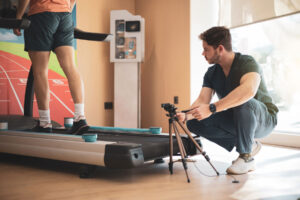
x,y
22,5
17,32
181,116
201,112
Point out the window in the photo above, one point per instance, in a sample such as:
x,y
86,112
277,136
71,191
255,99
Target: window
x,y
275,45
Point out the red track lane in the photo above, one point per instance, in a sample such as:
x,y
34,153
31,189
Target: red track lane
x,y
13,77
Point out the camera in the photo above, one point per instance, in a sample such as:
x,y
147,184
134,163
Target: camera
x,y
169,107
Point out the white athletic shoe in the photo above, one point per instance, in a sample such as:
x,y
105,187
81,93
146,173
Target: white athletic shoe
x,y
241,166
256,147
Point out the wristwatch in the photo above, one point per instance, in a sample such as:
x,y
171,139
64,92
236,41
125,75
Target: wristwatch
x,y
212,108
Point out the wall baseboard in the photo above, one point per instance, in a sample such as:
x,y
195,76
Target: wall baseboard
x,y
282,139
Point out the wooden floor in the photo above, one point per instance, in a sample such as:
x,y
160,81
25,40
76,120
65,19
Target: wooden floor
x,y
277,177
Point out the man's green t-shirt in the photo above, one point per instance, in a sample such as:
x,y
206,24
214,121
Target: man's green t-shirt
x,y
215,79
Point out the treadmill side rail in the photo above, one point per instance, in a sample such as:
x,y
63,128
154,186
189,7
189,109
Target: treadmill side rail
x,y
68,148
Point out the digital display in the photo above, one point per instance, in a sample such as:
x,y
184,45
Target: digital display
x,y
133,26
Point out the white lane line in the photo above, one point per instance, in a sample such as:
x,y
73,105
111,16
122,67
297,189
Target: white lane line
x,y
13,70
58,99
13,89
15,62
62,103
13,78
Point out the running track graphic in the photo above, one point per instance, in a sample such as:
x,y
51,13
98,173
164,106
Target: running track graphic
x,y
13,78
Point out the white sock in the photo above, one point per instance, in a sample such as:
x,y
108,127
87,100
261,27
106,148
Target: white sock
x,y
44,117
79,112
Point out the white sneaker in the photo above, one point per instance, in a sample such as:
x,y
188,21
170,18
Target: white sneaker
x,y
241,166
256,148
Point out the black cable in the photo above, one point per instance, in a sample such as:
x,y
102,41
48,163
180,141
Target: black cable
x,y
234,179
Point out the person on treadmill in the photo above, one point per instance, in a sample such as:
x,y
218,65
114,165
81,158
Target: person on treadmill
x,y
244,111
51,29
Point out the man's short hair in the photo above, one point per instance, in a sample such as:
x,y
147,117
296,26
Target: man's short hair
x,y
218,35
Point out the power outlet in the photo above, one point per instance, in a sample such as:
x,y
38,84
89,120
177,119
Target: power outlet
x,y
108,105
176,99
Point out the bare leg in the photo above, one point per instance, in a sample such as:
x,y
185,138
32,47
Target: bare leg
x,y
40,61
65,56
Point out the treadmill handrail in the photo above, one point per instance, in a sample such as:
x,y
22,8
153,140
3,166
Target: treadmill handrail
x,y
79,34
14,23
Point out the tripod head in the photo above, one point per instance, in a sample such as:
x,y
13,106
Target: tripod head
x,y
169,108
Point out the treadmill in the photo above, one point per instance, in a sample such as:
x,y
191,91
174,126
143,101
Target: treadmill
x,y
113,148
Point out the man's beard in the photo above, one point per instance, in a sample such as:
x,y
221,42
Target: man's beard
x,y
215,59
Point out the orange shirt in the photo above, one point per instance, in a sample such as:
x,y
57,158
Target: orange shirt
x,y
38,6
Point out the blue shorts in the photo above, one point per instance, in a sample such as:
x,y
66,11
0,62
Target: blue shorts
x,y
49,30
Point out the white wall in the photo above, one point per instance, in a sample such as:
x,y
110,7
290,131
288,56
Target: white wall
x,y
203,15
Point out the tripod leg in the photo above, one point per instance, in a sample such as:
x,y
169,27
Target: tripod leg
x,y
171,148
180,141
181,147
197,145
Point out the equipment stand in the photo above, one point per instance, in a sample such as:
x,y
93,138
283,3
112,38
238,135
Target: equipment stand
x,y
172,124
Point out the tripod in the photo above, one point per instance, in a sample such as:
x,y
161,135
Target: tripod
x,y
172,124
